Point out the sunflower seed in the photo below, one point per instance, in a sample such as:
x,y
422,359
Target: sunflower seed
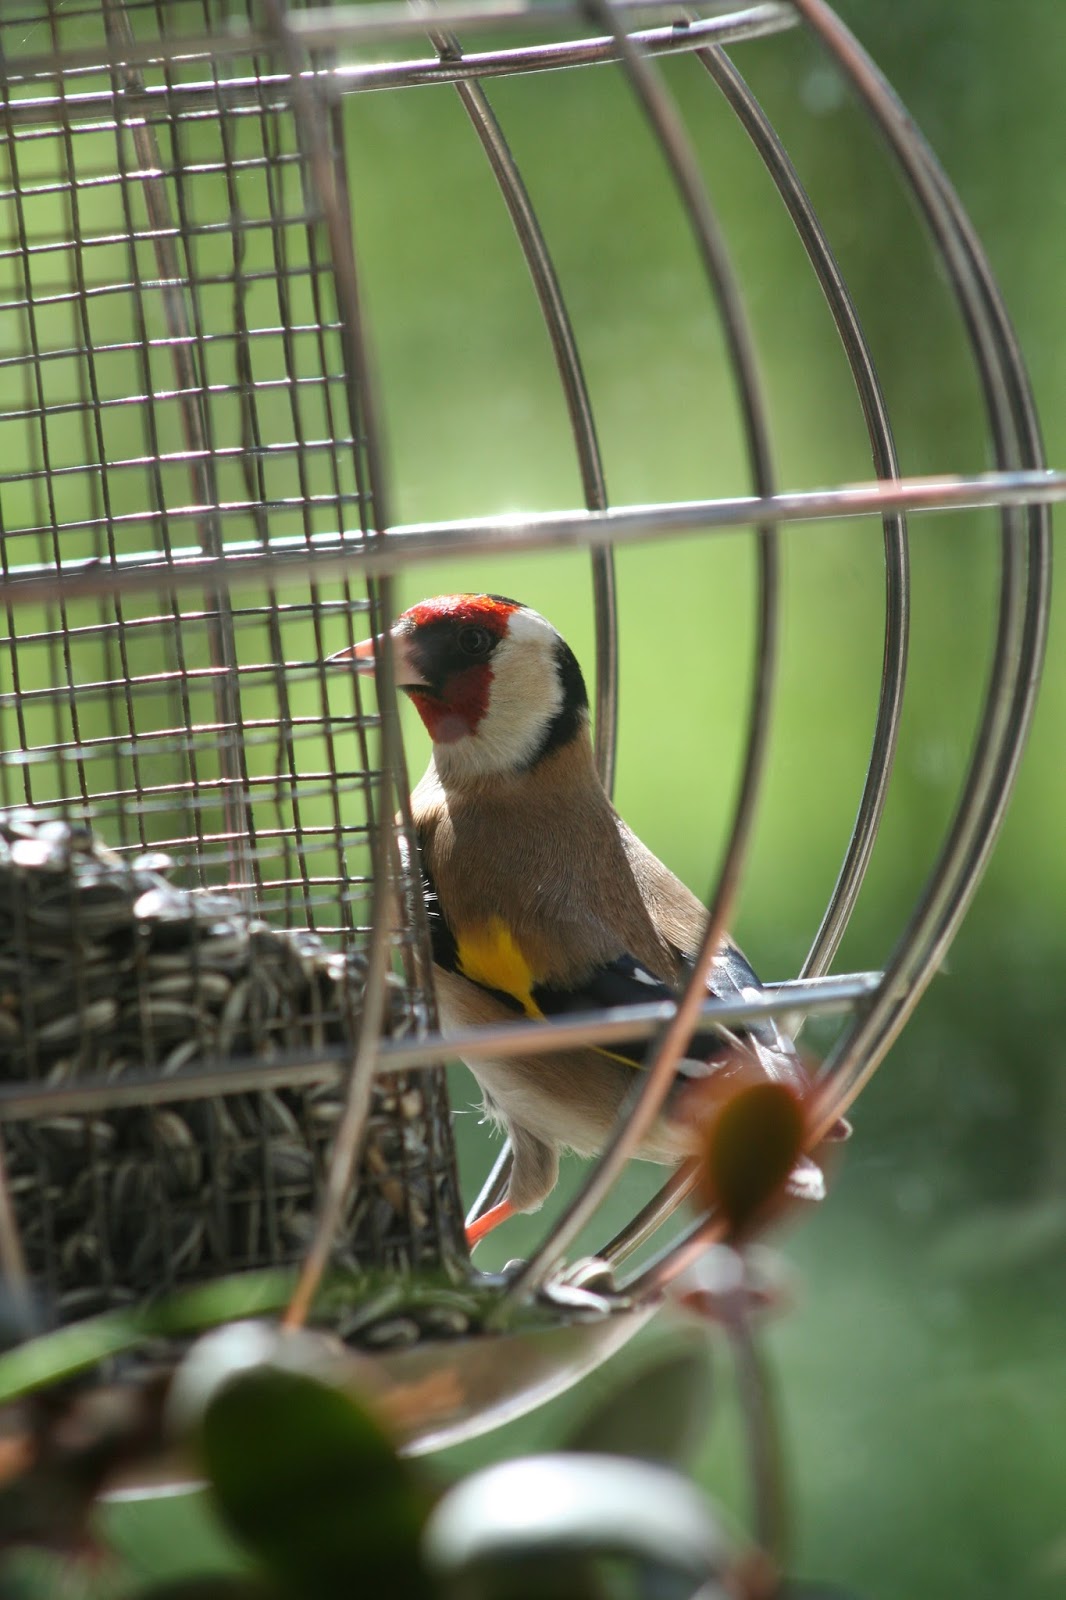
x,y
398,1333
93,1018
107,969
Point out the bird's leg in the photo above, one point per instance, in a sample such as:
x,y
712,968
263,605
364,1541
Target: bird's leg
x,y
487,1221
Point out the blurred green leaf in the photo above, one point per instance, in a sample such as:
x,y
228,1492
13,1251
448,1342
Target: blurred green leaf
x,y
52,1357
213,1587
64,1352
27,1574
659,1412
802,1589
310,1482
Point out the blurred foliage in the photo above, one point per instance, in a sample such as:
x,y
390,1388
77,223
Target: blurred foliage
x,y
306,1479
923,1373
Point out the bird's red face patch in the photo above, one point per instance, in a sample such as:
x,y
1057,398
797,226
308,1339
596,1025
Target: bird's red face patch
x,y
451,640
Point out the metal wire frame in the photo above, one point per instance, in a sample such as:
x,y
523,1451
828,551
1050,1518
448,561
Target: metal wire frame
x,y
189,347
1019,482
1025,576
331,29
951,882
298,866
1021,628
643,1104
414,544
827,996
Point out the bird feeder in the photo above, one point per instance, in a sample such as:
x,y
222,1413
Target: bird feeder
x,y
220,1062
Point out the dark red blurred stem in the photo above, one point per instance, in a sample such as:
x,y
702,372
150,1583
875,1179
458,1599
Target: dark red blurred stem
x,y
766,1467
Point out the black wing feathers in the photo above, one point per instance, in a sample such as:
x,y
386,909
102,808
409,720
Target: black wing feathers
x,y
622,982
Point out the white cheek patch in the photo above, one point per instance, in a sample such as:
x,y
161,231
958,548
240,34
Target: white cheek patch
x,y
525,697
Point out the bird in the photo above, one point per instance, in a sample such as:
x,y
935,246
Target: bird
x,y
541,901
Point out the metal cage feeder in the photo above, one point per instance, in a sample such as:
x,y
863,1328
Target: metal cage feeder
x,y
216,1057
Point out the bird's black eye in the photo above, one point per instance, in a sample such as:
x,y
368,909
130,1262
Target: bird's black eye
x,y
474,641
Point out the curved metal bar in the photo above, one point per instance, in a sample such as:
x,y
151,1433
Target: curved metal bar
x,y
495,1186
756,124
656,1276
333,200
643,1104
575,389
339,555
1030,443
1021,628
680,38
886,465
582,426
605,611
651,1216
359,25
189,99
821,996
582,421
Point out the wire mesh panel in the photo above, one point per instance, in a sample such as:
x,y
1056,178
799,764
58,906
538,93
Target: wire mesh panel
x,y
178,380
176,349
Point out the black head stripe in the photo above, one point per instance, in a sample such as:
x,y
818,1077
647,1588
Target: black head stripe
x,y
574,710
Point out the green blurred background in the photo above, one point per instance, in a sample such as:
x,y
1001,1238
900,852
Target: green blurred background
x,y
922,1369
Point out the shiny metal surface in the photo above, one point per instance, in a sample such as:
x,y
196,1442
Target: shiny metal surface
x,y
829,996
644,1104
466,1387
405,545
197,554
347,26
1024,588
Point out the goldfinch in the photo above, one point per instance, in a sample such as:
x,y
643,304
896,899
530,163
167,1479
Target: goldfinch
x,y
540,899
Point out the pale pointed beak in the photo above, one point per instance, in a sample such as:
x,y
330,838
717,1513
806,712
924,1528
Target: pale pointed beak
x,y
363,656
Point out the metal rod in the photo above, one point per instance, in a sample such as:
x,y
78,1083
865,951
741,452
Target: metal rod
x,y
495,1185
890,700
575,390
643,1104
886,464
187,100
557,321
342,554
1024,592
823,997
325,179
657,1275
651,1216
365,24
